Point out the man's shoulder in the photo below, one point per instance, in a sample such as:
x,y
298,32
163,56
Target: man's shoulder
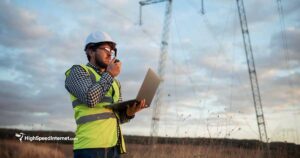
x,y
75,69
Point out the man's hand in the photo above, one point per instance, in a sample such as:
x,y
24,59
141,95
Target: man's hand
x,y
113,68
131,110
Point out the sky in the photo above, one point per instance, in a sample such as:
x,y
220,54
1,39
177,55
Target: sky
x,y
206,90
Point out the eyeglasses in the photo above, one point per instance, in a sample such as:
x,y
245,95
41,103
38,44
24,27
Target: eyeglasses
x,y
111,52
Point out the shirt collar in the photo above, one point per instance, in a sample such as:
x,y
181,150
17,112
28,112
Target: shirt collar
x,y
96,68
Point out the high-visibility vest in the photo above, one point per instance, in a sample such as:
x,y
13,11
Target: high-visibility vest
x,y
97,127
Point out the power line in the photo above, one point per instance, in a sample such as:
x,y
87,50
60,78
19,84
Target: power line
x,y
133,23
286,55
221,49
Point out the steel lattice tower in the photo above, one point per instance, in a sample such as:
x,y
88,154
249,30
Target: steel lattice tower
x,y
252,73
253,78
162,62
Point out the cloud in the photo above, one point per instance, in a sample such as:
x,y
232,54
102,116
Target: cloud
x,y
19,27
278,47
41,68
292,7
254,15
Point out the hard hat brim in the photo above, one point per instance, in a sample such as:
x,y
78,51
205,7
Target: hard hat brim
x,y
100,43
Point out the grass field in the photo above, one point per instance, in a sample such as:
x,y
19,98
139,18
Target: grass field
x,y
189,151
16,149
141,147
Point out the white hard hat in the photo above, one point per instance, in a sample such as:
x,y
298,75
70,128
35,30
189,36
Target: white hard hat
x,y
98,37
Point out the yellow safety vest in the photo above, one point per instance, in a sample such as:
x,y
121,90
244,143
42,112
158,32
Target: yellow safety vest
x,y
97,127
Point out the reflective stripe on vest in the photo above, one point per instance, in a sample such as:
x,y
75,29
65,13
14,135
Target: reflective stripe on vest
x,y
94,117
105,99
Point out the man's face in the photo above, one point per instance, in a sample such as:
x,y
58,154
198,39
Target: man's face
x,y
103,55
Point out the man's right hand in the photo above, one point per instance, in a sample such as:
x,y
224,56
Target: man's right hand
x,y
113,68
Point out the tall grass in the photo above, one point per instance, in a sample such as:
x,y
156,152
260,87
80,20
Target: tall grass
x,y
189,151
16,149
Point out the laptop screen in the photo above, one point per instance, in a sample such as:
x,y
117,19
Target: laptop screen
x,y
149,87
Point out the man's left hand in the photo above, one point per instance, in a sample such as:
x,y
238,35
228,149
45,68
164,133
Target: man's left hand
x,y
132,109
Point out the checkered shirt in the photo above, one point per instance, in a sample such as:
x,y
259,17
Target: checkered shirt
x,y
80,84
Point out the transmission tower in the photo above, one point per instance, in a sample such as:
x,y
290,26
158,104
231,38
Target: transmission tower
x,y
253,78
252,73
162,61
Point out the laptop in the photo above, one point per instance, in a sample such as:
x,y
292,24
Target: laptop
x,y
147,91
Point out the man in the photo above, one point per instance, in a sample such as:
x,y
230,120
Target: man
x,y
91,87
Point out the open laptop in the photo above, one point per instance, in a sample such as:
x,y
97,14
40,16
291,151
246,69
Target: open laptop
x,y
147,92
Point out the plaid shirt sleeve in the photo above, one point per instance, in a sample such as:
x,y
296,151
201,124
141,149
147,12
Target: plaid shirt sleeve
x,y
80,84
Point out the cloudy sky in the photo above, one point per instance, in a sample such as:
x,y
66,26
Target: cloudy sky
x,y
207,90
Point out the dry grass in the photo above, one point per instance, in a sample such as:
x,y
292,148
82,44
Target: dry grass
x,y
189,151
198,151
16,149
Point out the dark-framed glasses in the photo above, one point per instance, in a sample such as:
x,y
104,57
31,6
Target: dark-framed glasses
x,y
111,52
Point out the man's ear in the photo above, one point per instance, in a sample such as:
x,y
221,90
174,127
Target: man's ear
x,y
91,53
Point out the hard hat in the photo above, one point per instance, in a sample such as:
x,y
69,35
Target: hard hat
x,y
98,37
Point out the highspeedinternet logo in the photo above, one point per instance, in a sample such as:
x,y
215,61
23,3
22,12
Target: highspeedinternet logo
x,y
20,136
23,137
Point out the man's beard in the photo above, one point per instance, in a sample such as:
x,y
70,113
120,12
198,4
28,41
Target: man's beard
x,y
100,63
